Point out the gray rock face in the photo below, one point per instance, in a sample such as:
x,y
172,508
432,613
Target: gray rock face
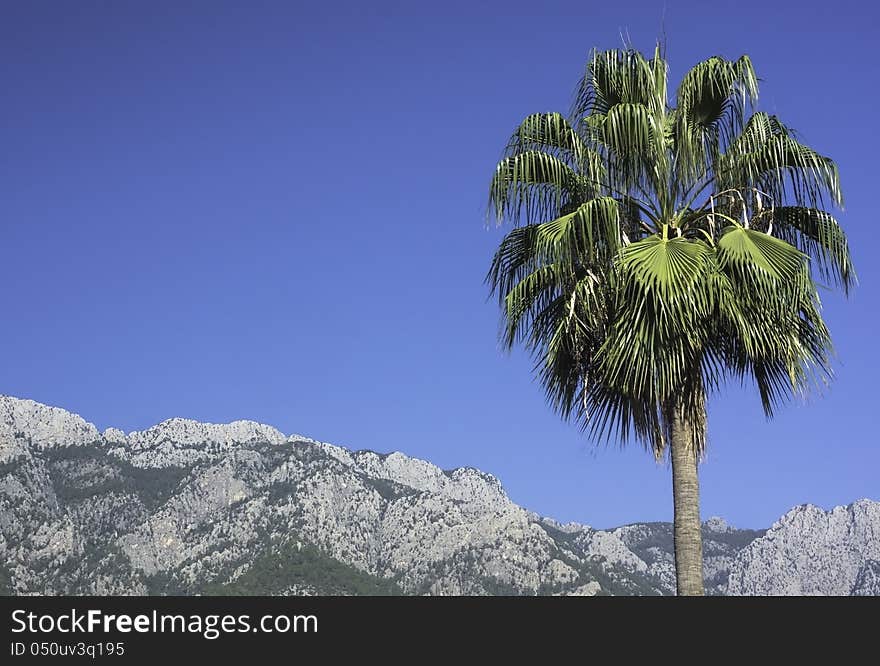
x,y
653,543
191,508
43,426
868,581
813,552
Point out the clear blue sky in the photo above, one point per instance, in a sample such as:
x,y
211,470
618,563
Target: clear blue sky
x,y
275,211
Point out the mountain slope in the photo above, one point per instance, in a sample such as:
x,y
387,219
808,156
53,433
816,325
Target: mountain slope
x,y
813,552
192,508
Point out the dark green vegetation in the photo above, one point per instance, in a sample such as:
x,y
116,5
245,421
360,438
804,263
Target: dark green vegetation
x,y
664,245
5,582
82,472
389,490
660,536
303,568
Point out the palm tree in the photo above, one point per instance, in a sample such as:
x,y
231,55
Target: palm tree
x,y
659,251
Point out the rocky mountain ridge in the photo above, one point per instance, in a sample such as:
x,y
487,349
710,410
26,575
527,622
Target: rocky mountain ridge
x,y
192,508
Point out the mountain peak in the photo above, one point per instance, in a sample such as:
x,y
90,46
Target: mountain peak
x,y
187,432
718,524
43,425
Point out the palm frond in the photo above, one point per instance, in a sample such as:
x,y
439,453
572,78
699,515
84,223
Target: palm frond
x,y
770,328
712,100
586,236
767,157
818,235
551,133
748,250
589,235
662,298
619,76
634,139
533,185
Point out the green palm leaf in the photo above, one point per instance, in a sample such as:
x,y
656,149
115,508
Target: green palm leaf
x,y
768,157
552,133
663,295
712,101
620,76
747,250
534,185
818,235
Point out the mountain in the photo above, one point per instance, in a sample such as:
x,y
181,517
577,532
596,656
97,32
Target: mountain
x,y
194,508
814,552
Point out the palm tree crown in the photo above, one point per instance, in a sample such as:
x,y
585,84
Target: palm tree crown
x,y
660,250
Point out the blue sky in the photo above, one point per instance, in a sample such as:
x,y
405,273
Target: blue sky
x,y
275,211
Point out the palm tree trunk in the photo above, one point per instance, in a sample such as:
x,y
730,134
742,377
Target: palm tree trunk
x,y
686,498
